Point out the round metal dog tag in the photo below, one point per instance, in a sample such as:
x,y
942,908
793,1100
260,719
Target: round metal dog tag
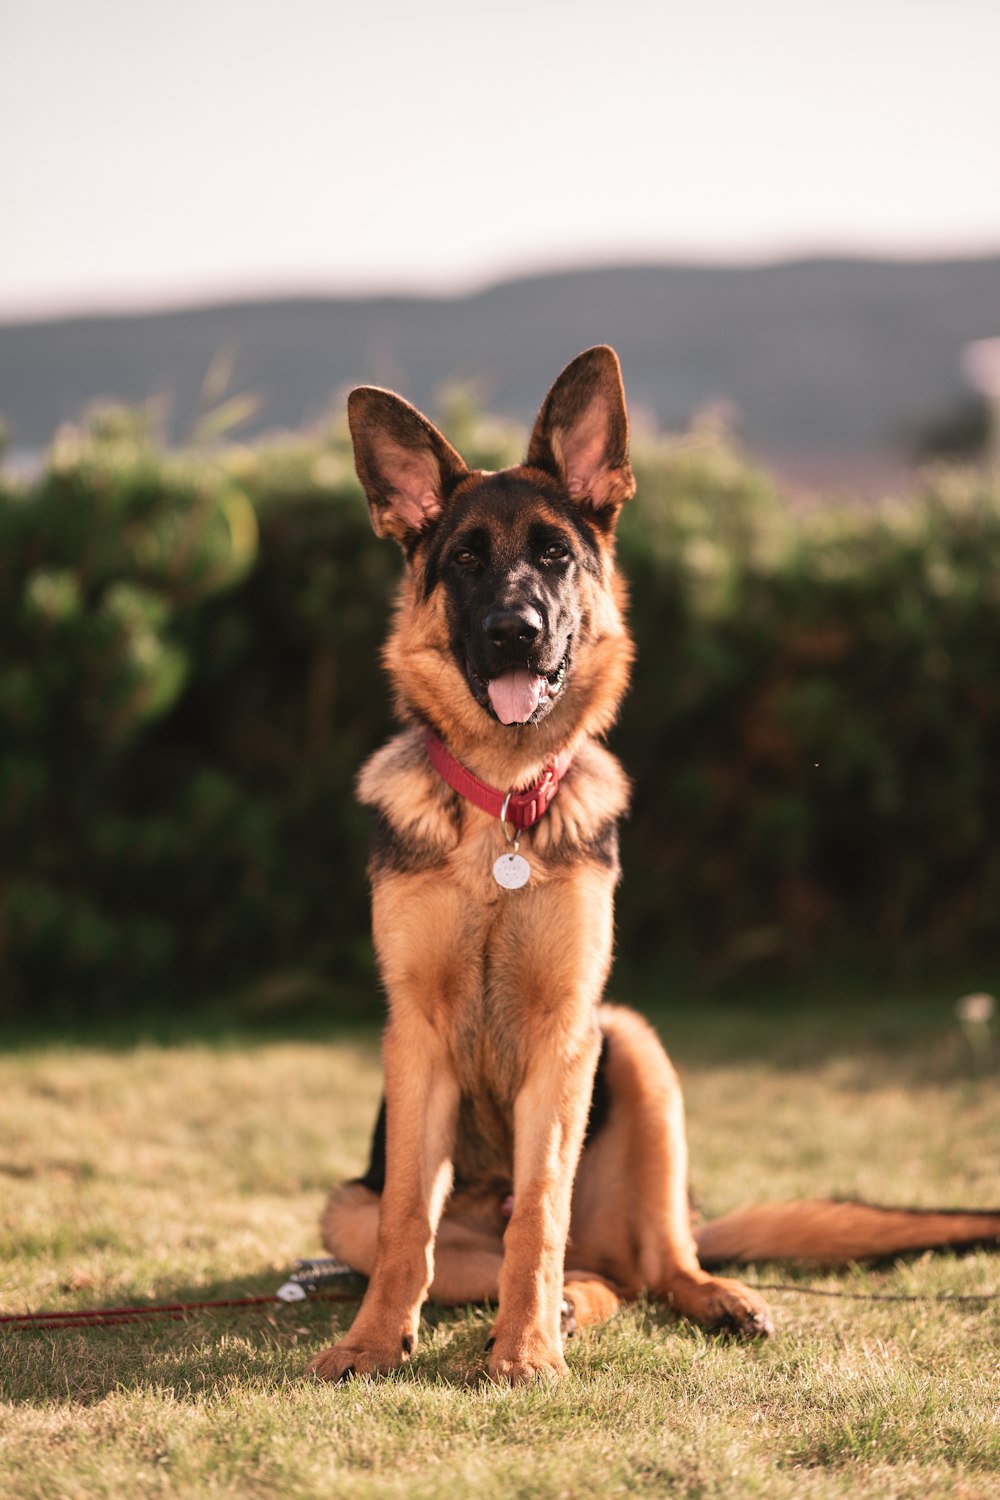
x,y
511,871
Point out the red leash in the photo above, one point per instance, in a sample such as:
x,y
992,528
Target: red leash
x,y
303,1284
109,1317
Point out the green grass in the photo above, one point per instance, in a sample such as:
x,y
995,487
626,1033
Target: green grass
x,y
197,1167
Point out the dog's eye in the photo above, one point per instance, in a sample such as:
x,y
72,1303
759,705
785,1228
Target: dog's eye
x,y
463,557
556,552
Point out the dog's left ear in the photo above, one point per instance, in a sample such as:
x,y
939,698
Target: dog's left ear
x,y
581,434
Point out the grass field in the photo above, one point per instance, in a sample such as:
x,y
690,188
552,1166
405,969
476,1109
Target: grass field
x,y
197,1166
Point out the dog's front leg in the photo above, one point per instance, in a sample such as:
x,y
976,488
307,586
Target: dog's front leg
x,y
550,1117
421,1111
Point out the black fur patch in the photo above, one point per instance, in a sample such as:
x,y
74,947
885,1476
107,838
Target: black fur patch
x,y
600,1098
374,1177
391,853
601,850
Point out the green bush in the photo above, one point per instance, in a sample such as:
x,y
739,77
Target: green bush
x,y
814,725
189,680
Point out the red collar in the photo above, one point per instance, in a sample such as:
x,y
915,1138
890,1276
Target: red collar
x,y
521,808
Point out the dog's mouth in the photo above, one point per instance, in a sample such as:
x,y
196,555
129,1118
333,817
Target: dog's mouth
x,y
520,695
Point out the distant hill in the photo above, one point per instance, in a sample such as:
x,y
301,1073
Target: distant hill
x,y
821,357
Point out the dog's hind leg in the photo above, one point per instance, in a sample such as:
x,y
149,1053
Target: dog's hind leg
x,y
630,1209
349,1226
587,1299
467,1258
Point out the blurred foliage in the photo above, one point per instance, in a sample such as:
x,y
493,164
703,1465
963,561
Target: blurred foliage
x,y
189,681
961,433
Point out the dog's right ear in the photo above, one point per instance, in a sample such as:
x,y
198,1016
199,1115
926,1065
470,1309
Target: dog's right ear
x,y
406,467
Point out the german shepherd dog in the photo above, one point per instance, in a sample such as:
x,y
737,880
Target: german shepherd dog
x,y
531,1146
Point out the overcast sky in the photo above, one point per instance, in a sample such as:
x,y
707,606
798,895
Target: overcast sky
x,y
162,150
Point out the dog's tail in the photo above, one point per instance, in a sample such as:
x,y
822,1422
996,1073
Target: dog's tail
x,y
830,1232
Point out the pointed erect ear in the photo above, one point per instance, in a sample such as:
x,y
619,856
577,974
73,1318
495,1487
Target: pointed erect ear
x,y
406,467
581,435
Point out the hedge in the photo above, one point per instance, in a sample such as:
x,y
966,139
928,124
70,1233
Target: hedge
x,y
189,681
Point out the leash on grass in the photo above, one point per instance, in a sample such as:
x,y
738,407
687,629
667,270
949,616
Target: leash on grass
x,y
311,1276
306,1281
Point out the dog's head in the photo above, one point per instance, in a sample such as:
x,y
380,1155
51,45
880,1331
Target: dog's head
x,y
510,621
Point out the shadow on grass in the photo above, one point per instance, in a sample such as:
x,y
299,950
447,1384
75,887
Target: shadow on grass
x,y
787,1026
209,1352
266,1348
308,1013
189,1352
252,1349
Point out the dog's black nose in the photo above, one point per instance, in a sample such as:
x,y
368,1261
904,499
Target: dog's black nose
x,y
513,627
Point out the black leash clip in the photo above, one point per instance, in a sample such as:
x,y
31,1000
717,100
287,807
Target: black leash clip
x,y
310,1276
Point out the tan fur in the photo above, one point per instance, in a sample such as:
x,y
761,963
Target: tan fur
x,y
428,683
620,1231
828,1233
495,1022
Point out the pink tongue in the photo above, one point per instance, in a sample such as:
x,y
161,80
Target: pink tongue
x,y
515,695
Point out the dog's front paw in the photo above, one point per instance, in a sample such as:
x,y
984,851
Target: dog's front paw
x,y
721,1306
525,1360
527,1371
348,1358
